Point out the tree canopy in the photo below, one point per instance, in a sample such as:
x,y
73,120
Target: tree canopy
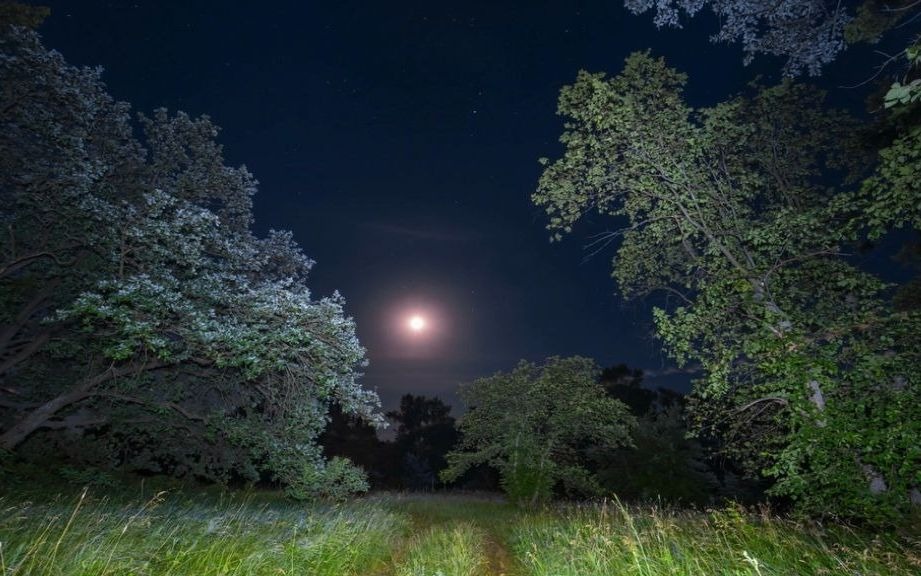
x,y
531,424
139,311
808,34
729,210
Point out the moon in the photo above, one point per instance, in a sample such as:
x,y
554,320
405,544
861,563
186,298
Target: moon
x,y
416,323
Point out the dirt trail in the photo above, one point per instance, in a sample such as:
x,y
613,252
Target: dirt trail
x,y
501,562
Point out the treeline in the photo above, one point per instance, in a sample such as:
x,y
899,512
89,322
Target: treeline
x,y
655,460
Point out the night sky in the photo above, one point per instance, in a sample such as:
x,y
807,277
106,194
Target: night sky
x,y
399,142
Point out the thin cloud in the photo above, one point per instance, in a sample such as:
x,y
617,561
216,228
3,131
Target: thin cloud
x,y
438,235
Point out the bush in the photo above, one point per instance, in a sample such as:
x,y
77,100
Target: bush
x,y
336,480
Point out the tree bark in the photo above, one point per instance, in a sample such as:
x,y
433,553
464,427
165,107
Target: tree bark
x,y
35,419
39,417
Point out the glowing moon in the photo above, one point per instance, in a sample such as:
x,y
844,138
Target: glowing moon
x,y
416,323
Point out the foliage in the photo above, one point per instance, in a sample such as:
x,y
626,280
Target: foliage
x,y
530,424
139,311
874,18
903,94
808,33
93,477
334,480
891,193
626,384
727,210
425,433
908,296
894,188
352,437
19,14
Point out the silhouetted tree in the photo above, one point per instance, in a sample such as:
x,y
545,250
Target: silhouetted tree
x,y
626,384
425,433
354,438
662,462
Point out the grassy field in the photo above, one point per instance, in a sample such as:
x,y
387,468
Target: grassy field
x,y
211,534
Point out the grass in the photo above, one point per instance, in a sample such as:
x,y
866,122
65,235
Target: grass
x,y
648,541
212,534
457,550
180,536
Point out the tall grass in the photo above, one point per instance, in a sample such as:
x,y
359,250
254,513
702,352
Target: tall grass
x,y
449,550
225,536
214,534
649,541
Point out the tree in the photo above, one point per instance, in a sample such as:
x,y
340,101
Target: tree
x,y
355,439
137,303
891,193
729,209
662,462
626,384
64,142
808,33
19,14
425,433
532,424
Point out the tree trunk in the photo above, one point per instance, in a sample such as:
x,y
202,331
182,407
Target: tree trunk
x,y
876,482
25,353
20,323
34,420
39,417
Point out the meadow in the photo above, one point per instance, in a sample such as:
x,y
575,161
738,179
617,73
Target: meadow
x,y
259,533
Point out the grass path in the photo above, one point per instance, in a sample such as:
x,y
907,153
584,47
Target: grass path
x,y
469,536
455,536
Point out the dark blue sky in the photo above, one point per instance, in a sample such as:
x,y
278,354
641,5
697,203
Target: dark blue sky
x,y
399,141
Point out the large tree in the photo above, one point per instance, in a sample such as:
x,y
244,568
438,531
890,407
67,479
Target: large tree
x,y
533,423
138,305
729,209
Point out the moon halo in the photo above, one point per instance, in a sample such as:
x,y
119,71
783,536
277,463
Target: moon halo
x,y
416,323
